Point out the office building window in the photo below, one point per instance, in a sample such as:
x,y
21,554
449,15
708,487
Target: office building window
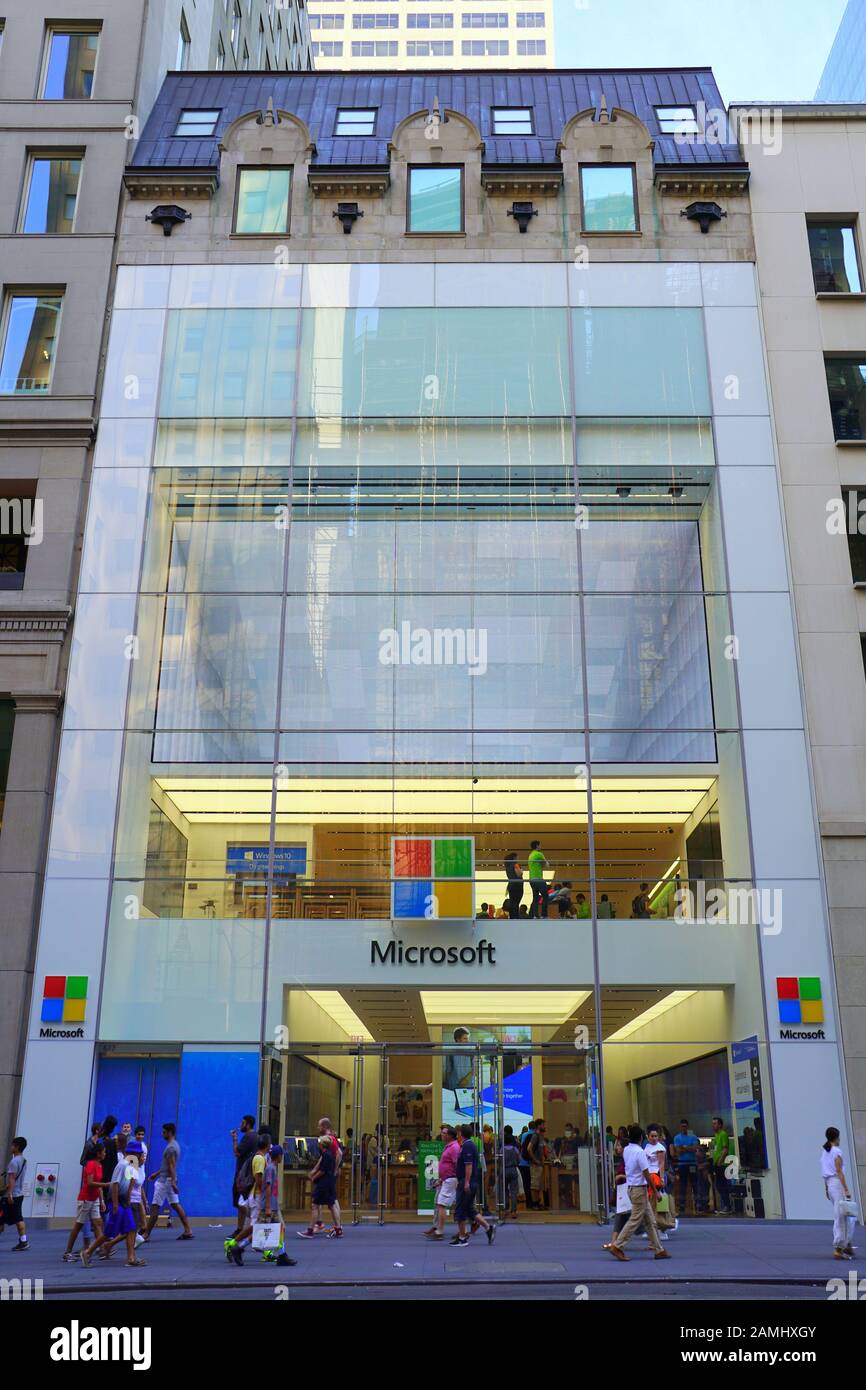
x,y
278,39
263,202
260,43
531,48
530,19
183,45
835,263
854,502
495,20
430,21
375,21
245,63
608,197
29,336
846,384
355,122
677,120
329,49
70,63
194,122
512,120
429,48
51,193
221,54
236,26
485,48
435,199
326,21
375,50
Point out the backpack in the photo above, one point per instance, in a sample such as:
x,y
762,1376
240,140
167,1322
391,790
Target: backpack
x,y
524,1147
637,907
244,1180
88,1152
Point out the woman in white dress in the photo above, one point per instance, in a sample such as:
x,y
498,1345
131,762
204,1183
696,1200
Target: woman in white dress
x,y
836,1187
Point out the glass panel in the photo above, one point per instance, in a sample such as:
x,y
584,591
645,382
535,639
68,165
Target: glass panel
x,y
236,362
677,120
218,667
197,123
71,64
846,383
422,362
608,198
512,121
640,361
31,339
263,201
355,122
436,200
52,195
833,248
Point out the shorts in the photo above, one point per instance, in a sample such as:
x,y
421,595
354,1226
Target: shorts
x,y
10,1211
447,1194
163,1191
536,1177
325,1192
465,1206
253,1209
87,1211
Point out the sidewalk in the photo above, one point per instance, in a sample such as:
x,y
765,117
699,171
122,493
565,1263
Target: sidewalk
x,y
704,1255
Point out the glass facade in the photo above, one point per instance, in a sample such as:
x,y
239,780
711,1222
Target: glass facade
x,y
377,602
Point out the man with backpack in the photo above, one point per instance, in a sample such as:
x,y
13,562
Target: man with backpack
x,y
12,1193
640,904
243,1149
254,1197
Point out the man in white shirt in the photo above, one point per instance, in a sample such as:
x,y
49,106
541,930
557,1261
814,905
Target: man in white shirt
x,y
636,1169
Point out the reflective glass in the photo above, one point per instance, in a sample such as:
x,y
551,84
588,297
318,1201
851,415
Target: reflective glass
x,y
52,195
32,325
639,361
608,198
229,362
436,199
263,201
71,64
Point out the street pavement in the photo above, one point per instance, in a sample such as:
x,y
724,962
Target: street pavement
x,y
711,1259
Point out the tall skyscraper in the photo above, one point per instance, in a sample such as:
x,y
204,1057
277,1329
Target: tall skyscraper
x,y
431,33
77,83
844,75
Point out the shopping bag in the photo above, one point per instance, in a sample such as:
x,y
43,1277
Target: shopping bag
x,y
663,1204
847,1207
267,1235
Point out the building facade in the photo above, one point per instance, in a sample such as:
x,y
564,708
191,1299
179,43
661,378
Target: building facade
x,y
77,80
808,205
434,557
349,34
844,75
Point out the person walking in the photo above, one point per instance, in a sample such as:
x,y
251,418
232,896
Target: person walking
x,y
535,1152
467,1178
838,1192
511,1170
166,1185
686,1155
257,1203
525,1166
640,904
12,1198
718,1160
91,1203
324,1180
636,1170
514,874
446,1184
126,1178
536,864
243,1149
657,1155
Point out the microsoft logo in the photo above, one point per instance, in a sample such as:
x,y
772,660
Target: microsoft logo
x,y
432,876
799,999
64,998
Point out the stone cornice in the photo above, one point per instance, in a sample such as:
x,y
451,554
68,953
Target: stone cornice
x,y
705,180
523,180
164,183
349,182
34,622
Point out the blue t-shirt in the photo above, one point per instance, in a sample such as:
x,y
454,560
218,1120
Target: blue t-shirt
x,y
688,1142
468,1154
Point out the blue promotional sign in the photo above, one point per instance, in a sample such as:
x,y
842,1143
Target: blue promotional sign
x,y
253,859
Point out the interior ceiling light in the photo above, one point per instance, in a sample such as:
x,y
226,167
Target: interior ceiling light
x,y
332,1002
670,1001
492,1007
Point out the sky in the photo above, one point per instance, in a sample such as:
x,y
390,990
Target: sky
x,y
759,50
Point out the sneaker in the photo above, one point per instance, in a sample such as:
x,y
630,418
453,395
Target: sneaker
x,y
22,1245
85,1259
337,1232
68,1258
308,1233
491,1233
284,1259
237,1255
228,1246
676,1224
268,1256
458,1240
663,1235
139,1240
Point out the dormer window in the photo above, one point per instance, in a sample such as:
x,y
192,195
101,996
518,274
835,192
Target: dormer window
x,y
512,120
355,121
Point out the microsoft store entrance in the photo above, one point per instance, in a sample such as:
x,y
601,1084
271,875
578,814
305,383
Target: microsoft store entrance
x,y
387,1102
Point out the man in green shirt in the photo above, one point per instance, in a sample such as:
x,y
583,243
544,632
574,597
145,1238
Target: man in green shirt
x,y
720,1153
536,863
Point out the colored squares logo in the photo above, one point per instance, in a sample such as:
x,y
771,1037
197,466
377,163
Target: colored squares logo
x,y
64,999
432,876
799,999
